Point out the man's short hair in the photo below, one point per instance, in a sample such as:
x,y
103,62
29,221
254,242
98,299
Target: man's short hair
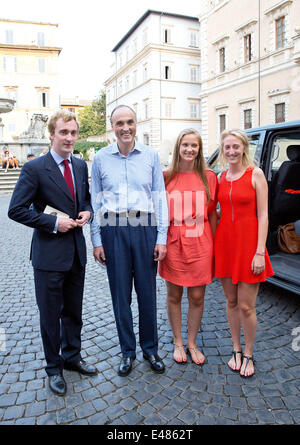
x,y
121,106
65,115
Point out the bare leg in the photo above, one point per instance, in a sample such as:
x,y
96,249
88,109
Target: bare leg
x,y
233,316
195,312
174,295
247,293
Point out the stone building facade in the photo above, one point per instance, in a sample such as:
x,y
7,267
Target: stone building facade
x,y
157,73
28,72
250,64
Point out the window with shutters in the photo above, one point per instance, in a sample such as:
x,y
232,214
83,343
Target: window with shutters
x,y
280,32
247,119
9,36
247,48
42,65
41,39
167,72
279,113
9,64
222,59
222,122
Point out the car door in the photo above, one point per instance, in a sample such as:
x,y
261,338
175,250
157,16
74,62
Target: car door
x,y
284,201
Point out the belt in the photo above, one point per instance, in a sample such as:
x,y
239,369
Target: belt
x,y
127,214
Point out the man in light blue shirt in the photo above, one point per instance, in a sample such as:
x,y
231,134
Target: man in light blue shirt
x,y
129,232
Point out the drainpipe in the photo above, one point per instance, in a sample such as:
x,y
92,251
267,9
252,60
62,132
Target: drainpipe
x,y
160,77
259,83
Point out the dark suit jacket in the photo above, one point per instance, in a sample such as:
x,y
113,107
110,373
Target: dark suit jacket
x,y
41,183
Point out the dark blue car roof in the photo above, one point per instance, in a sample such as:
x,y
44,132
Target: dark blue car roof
x,y
274,126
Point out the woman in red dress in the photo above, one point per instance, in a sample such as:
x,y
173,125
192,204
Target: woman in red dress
x,y
192,190
241,258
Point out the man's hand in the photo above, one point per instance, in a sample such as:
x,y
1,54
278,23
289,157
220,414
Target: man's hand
x,y
65,224
99,254
83,218
160,251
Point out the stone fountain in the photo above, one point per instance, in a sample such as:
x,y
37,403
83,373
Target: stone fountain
x,y
6,105
32,140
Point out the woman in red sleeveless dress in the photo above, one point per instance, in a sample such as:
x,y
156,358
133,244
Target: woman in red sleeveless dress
x,y
192,193
241,258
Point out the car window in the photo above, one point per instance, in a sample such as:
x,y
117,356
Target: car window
x,y
253,143
279,151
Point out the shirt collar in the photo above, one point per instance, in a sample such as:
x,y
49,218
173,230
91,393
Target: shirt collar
x,y
57,158
115,149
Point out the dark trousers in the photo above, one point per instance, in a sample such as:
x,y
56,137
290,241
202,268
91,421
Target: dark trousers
x,y
129,259
59,298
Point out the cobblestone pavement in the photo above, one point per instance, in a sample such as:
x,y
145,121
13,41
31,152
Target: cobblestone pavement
x,y
184,395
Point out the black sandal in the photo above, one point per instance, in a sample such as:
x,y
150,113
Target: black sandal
x,y
248,358
183,362
234,356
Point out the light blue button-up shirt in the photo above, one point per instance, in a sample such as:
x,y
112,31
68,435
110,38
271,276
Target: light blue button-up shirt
x,y
122,183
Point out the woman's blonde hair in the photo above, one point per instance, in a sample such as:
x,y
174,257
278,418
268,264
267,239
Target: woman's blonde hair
x,y
199,164
241,135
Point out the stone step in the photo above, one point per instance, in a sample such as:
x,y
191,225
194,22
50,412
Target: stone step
x,y
8,180
6,190
10,173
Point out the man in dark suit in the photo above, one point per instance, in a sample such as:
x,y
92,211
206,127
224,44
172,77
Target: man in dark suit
x,y
58,181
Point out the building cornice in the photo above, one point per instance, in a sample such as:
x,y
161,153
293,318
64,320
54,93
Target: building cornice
x,y
187,119
246,25
244,101
278,92
232,83
220,39
221,107
216,8
29,22
281,4
30,47
253,61
147,14
151,79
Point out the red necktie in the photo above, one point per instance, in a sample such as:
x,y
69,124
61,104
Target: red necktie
x,y
68,177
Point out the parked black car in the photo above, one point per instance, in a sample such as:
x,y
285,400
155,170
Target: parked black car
x,y
276,150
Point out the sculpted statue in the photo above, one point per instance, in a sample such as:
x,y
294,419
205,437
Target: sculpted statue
x,y
36,128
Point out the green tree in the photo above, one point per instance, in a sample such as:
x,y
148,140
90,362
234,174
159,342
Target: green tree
x,y
93,118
